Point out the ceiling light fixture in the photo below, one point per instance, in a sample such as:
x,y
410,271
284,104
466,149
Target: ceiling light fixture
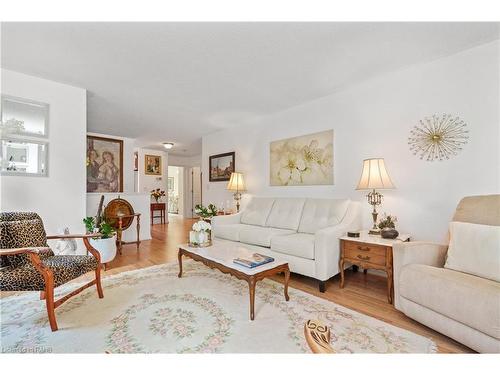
x,y
168,145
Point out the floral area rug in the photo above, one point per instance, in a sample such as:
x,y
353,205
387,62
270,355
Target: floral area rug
x,y
151,310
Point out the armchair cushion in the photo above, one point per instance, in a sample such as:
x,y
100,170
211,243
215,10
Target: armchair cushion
x,y
474,249
64,267
28,231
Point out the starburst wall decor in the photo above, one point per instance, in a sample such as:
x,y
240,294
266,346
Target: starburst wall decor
x,y
438,138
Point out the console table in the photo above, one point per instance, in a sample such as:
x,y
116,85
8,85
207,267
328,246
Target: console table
x,y
158,207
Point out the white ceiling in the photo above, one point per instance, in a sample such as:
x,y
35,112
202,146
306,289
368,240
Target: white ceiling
x,y
175,82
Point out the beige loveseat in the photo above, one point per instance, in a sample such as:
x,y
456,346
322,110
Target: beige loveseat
x,y
460,305
304,232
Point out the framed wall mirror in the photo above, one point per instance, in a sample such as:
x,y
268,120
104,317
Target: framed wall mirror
x,y
23,157
24,117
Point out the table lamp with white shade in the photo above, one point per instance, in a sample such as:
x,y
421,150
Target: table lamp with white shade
x,y
374,176
236,184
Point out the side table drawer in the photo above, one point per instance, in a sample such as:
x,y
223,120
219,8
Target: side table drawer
x,y
365,249
366,258
366,253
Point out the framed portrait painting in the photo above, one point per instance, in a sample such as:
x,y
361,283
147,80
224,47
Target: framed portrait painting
x,y
152,165
221,166
104,164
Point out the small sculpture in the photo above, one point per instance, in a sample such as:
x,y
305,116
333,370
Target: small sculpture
x,y
66,246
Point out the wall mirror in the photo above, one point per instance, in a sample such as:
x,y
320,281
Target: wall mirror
x,y
24,117
24,158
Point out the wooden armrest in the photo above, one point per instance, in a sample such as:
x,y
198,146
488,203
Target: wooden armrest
x,y
317,335
67,236
25,250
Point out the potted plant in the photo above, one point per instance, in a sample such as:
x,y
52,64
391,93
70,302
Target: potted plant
x,y
388,226
206,213
106,244
156,194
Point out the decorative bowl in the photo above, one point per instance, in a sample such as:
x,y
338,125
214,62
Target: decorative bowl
x,y
389,233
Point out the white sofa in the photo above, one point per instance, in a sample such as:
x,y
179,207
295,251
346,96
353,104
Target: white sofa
x,y
305,232
461,305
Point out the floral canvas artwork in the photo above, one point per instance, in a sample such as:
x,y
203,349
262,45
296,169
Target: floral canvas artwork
x,y
303,160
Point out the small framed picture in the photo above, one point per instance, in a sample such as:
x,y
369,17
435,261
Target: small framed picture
x,y
221,166
152,165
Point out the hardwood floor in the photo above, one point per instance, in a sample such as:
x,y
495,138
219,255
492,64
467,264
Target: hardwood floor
x,y
365,293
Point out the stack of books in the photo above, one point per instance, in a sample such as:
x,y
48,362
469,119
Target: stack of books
x,y
253,261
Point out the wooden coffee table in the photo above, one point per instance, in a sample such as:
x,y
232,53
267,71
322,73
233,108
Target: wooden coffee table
x,y
220,256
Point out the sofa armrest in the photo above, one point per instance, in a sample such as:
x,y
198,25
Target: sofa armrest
x,y
327,251
419,252
327,243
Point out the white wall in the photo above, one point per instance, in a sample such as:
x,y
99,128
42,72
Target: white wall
x,y
184,161
373,119
60,197
128,160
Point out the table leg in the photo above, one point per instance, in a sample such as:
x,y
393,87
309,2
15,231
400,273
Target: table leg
x,y
341,267
138,230
119,235
251,285
179,257
287,278
389,285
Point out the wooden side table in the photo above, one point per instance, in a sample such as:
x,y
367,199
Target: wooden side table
x,y
158,207
369,252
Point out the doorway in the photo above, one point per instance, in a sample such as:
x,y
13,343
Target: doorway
x,y
184,190
175,190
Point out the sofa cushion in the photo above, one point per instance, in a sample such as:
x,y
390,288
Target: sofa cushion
x,y
286,213
228,231
299,244
474,249
468,299
257,211
261,236
322,213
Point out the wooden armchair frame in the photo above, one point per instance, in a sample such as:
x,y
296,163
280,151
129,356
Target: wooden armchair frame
x,y
317,336
48,276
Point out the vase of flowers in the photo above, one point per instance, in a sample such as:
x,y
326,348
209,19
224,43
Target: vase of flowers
x,y
388,226
206,213
201,234
157,194
106,244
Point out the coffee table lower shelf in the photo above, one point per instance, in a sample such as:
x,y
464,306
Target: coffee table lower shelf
x,y
250,279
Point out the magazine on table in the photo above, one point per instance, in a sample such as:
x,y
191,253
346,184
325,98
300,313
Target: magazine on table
x,y
254,260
